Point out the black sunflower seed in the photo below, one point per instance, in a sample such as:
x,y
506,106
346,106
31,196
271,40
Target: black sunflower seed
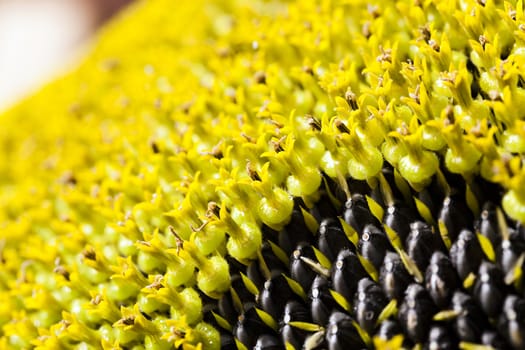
x,y
487,224
490,290
300,270
470,321
398,217
295,232
271,260
294,312
341,333
466,254
416,312
393,277
254,273
369,301
275,294
374,244
441,337
452,205
228,342
250,327
512,321
421,243
510,250
322,302
388,329
331,238
226,308
441,279
268,342
493,339
346,273
357,213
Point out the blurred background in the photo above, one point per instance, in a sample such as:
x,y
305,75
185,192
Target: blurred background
x,y
39,38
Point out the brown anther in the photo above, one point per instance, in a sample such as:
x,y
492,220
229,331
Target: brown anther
x,y
449,115
275,122
216,151
424,31
146,243
482,2
264,106
196,229
365,29
249,138
351,99
314,123
501,72
89,254
213,210
61,270
178,333
415,95
179,149
476,130
449,77
434,45
252,173
341,126
68,178
506,158
402,129
110,64
185,107
2,246
373,11
308,70
128,320
386,55
380,81
75,109
178,239
277,145
512,14
223,52
97,299
410,65
154,147
495,95
260,77
483,41
342,65
65,324
157,283
230,93
522,27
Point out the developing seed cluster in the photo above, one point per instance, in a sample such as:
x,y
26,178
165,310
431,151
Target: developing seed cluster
x,y
333,174
388,269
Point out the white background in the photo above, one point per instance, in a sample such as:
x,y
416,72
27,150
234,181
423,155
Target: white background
x,y
41,38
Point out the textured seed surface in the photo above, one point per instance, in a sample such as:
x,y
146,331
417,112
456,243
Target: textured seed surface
x,y
268,174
